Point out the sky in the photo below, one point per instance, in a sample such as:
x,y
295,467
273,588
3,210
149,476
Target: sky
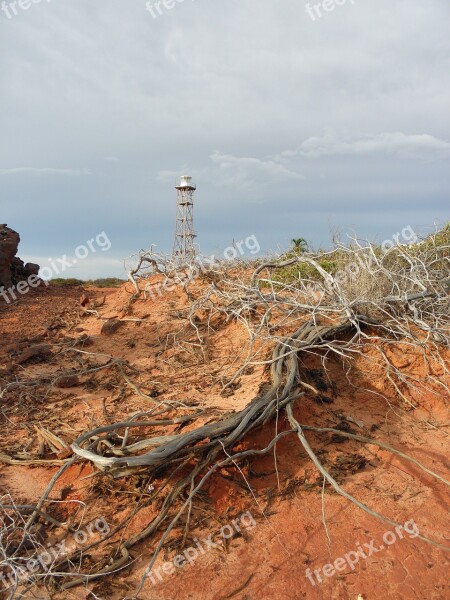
x,y
293,120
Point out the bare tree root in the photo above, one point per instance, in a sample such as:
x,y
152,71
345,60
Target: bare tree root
x,y
291,308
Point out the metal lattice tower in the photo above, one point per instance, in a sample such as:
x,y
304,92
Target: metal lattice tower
x,y
184,247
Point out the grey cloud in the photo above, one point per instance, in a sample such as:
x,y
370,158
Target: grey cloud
x,y
43,171
289,126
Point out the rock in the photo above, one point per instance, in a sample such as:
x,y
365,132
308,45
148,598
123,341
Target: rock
x,y
40,351
17,264
84,300
31,269
12,268
111,326
9,242
67,381
84,341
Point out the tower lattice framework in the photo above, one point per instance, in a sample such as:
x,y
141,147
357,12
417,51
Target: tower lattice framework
x,y
184,246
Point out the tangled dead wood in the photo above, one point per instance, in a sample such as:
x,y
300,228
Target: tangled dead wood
x,y
337,303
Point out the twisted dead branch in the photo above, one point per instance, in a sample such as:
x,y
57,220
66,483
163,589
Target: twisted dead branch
x,y
341,302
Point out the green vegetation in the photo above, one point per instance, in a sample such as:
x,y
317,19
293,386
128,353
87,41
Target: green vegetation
x,y
300,244
60,282
434,250
107,282
305,271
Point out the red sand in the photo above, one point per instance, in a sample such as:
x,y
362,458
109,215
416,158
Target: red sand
x,y
268,561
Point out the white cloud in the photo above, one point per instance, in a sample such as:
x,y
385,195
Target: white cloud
x,y
250,171
399,144
241,172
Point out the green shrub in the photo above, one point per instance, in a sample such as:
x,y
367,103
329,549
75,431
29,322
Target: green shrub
x,y
106,282
70,282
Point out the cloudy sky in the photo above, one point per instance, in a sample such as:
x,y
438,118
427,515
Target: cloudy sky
x,y
292,125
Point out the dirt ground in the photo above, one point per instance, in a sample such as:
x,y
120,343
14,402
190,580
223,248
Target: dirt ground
x,y
297,538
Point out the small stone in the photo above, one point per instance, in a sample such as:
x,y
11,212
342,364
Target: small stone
x,y
40,351
67,381
111,326
84,341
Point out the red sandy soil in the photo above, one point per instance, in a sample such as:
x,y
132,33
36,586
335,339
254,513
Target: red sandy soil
x,y
299,525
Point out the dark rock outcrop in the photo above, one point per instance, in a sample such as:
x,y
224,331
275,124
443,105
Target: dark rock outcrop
x,y
9,242
12,269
